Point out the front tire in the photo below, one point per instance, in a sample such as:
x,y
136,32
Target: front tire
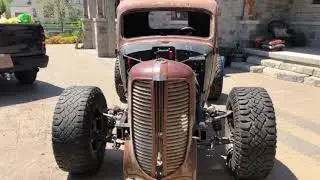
x,y
118,83
253,130
217,84
79,130
26,77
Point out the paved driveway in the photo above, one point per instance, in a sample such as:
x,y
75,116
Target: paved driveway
x,y
26,113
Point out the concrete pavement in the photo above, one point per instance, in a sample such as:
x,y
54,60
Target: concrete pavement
x,y
26,116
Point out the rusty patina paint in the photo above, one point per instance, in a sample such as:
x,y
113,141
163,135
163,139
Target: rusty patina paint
x,y
131,5
164,71
127,6
170,70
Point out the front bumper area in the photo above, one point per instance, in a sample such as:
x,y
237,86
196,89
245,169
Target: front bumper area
x,y
188,171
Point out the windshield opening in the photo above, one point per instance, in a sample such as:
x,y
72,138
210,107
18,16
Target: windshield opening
x,y
152,23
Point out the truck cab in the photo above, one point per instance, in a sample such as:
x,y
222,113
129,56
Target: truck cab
x,y
22,51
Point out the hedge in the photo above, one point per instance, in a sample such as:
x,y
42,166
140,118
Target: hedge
x,y
62,40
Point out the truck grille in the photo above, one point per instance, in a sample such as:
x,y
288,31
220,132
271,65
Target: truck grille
x,y
170,118
142,124
177,125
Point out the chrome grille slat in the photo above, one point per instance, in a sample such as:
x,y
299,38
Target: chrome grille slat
x,y
143,111
141,95
142,140
144,148
138,102
143,83
175,150
178,89
140,92
179,100
183,125
173,117
138,127
176,143
178,97
175,160
142,133
186,125
177,125
141,116
178,105
142,123
180,92
144,89
181,111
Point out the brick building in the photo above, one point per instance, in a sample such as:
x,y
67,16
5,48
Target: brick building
x,y
236,24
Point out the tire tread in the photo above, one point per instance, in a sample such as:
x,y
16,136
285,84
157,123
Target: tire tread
x,y
70,129
255,132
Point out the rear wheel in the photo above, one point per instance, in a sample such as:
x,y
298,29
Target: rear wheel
x,y
217,84
26,77
253,130
118,83
79,130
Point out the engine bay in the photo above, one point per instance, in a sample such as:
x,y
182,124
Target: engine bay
x,y
195,60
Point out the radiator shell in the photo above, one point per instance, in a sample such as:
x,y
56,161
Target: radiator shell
x,y
141,153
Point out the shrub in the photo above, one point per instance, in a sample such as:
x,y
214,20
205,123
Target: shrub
x,y
62,40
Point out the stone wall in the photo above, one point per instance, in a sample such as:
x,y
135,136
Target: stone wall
x,y
269,10
234,29
305,17
230,13
301,14
304,10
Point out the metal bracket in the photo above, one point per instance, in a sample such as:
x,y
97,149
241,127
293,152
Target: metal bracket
x,y
227,114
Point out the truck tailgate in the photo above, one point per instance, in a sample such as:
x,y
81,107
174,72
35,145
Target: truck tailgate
x,y
21,39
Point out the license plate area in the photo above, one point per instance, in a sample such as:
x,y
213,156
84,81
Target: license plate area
x,y
5,61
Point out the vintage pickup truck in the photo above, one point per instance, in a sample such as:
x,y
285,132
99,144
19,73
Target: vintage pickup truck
x,y
22,51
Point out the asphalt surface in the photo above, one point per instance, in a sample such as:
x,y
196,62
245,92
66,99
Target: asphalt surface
x,y
26,116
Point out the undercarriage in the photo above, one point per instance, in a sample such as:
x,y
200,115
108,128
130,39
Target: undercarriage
x,y
214,121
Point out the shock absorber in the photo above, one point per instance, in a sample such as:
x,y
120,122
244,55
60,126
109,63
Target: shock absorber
x,y
216,125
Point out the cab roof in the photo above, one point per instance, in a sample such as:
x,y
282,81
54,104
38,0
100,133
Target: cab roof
x,y
132,5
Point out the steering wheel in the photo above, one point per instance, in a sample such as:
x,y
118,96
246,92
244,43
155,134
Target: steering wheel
x,y
188,31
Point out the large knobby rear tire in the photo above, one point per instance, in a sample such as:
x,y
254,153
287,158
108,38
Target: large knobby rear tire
x,y
217,84
26,77
79,130
118,83
253,130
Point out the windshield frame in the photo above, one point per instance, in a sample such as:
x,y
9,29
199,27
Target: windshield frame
x,y
212,30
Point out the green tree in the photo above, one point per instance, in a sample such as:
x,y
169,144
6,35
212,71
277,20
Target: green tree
x,y
60,9
3,6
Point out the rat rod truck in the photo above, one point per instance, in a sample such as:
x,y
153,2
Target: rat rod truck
x,y
167,67
22,51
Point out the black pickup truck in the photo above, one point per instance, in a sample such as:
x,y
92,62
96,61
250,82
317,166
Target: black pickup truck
x,y
22,51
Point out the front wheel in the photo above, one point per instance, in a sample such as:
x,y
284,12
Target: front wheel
x,y
217,84
79,130
253,131
118,82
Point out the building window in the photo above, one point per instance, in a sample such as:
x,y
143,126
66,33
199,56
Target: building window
x,y
316,1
